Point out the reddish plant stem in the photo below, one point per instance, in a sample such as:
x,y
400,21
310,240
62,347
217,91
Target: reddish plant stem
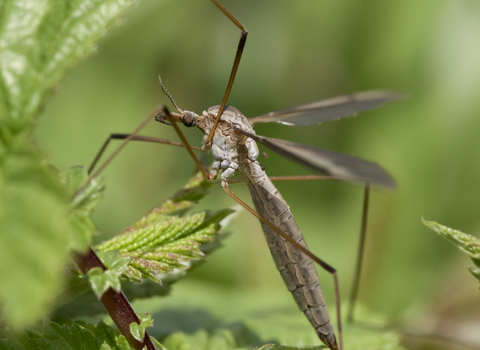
x,y
116,304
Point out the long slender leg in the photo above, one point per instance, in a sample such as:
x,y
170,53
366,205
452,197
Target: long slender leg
x,y
236,62
304,250
157,110
361,248
152,115
134,138
362,237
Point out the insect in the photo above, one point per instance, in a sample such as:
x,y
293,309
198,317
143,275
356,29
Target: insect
x,y
231,138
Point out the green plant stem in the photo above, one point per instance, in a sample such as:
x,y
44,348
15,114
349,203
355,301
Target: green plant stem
x,y
116,304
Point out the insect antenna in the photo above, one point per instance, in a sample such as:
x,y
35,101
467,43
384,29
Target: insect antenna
x,y
169,95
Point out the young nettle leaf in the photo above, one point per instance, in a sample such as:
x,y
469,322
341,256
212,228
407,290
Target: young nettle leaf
x,y
468,244
89,196
138,330
163,241
168,239
102,280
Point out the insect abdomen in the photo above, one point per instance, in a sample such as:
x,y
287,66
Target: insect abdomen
x,y
297,269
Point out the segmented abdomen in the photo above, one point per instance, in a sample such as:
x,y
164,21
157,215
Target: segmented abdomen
x,y
297,269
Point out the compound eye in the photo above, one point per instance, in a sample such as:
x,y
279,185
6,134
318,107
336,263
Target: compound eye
x,y
188,119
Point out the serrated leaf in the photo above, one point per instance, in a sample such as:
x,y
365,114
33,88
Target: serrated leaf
x,y
101,280
39,41
65,335
34,233
110,336
468,244
190,194
82,205
170,244
114,262
154,252
84,197
82,301
138,330
166,239
196,189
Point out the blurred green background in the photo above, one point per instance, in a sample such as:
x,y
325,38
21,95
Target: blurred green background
x,y
299,52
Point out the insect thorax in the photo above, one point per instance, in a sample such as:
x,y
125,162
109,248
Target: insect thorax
x,y
230,147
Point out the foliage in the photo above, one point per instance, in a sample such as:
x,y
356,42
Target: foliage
x,y
162,241
299,52
84,200
468,244
138,330
45,215
65,334
100,280
208,314
155,251
40,40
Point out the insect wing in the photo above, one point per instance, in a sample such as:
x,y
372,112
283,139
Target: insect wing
x,y
336,164
331,109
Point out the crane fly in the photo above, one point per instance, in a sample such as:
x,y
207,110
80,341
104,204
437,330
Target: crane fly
x,y
230,137
234,149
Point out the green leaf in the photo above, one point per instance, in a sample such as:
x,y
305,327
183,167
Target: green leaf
x,y
157,345
34,235
196,189
82,205
166,239
249,318
154,245
102,280
39,41
110,336
468,244
138,330
169,244
219,340
85,196
114,262
65,335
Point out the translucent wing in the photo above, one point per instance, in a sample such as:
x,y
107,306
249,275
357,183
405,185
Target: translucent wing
x,y
332,163
331,109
